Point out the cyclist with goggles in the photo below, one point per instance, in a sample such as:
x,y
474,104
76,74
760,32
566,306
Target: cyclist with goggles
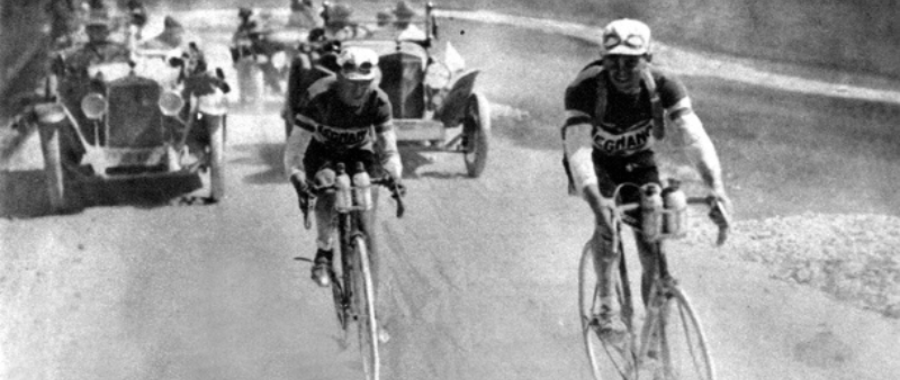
x,y
617,108
343,118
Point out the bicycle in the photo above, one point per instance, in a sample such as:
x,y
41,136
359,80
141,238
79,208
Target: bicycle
x,y
671,333
353,290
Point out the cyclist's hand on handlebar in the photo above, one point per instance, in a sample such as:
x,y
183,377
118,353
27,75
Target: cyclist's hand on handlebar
x,y
720,213
301,186
399,187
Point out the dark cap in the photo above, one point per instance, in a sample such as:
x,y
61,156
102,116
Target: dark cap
x,y
403,11
171,23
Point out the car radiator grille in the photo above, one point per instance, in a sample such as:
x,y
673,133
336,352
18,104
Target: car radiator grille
x,y
401,78
134,117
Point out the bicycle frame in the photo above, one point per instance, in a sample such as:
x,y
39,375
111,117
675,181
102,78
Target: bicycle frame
x,y
353,291
663,289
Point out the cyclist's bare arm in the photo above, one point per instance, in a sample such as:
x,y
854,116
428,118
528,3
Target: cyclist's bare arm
x,y
387,143
578,145
697,145
295,149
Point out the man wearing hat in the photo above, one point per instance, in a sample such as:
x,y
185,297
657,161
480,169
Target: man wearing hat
x,y
172,36
383,27
302,15
344,118
338,23
404,26
97,49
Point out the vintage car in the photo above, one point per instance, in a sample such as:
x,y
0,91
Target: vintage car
x,y
142,117
435,104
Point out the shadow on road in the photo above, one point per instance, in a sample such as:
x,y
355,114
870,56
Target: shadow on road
x,y
414,158
23,194
268,156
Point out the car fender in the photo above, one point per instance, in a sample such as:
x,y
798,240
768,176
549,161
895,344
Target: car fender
x,y
451,111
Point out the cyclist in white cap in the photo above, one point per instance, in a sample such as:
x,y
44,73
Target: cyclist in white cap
x,y
343,118
616,109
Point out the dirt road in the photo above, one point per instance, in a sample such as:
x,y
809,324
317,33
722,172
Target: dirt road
x,y
479,278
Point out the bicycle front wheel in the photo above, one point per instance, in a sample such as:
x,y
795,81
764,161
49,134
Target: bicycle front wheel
x,y
367,324
608,360
684,352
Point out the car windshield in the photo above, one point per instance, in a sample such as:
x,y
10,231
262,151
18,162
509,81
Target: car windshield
x,y
384,47
110,71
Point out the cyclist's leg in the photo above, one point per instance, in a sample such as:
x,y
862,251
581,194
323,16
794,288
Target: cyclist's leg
x,y
606,258
647,254
641,169
317,161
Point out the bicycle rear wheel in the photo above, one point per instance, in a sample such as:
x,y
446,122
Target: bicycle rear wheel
x,y
367,324
684,352
607,360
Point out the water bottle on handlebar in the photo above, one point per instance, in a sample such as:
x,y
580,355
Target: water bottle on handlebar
x,y
343,190
664,212
351,194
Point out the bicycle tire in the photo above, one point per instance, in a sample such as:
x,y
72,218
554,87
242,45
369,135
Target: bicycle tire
x,y
684,351
606,360
367,324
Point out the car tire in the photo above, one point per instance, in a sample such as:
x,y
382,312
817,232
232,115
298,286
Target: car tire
x,y
476,134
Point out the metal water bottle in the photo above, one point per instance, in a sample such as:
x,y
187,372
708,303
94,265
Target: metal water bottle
x,y
362,187
343,195
651,207
675,203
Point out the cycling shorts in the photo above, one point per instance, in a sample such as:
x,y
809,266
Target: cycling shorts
x,y
321,156
639,168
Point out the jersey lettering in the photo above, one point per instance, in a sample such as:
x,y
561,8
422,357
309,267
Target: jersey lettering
x,y
346,137
636,139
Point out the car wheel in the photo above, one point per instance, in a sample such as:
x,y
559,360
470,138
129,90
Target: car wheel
x,y
476,134
216,158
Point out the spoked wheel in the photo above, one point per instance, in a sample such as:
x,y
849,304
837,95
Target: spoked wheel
x,y
476,134
367,324
608,360
683,349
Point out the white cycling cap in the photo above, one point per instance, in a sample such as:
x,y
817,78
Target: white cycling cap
x,y
358,63
626,37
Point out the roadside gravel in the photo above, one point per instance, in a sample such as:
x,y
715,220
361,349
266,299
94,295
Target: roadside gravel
x,y
853,258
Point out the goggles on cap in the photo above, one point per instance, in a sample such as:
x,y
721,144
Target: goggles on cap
x,y
363,68
633,41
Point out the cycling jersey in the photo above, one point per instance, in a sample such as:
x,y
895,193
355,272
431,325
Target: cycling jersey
x,y
624,127
338,125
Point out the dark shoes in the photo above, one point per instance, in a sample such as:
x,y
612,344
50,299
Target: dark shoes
x,y
321,270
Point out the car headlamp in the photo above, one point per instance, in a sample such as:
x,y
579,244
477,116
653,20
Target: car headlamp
x,y
49,113
437,75
170,103
94,106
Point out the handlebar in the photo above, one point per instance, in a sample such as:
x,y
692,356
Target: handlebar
x,y
397,192
717,213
